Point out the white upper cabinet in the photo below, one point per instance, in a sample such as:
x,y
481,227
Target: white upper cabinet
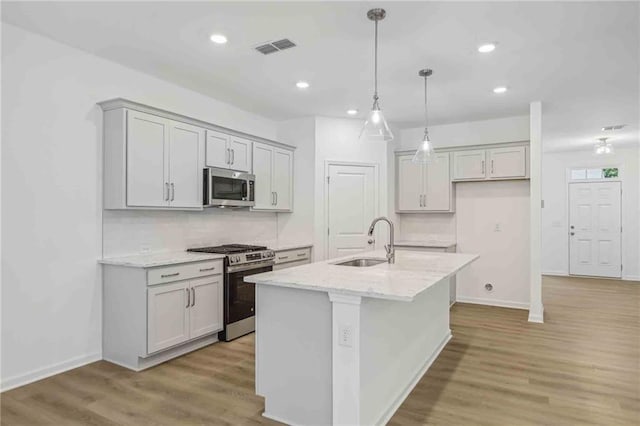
x,y
469,164
151,162
508,162
273,168
500,162
147,160
424,187
228,152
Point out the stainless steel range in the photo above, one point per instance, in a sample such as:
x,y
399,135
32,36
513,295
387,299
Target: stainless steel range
x,y
239,296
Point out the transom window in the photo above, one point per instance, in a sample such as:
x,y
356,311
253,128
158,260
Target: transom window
x,y
594,173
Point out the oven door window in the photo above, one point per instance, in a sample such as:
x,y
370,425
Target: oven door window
x,y
223,188
241,295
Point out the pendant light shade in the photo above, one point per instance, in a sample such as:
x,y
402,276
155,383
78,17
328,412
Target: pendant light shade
x,y
603,147
376,127
424,153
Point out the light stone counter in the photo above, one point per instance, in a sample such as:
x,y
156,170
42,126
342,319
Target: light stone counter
x,y
430,243
159,259
412,273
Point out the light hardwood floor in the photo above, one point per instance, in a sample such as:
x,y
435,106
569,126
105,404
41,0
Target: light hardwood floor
x,y
581,367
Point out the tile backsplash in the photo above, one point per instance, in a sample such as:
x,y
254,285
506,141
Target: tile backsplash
x,y
130,232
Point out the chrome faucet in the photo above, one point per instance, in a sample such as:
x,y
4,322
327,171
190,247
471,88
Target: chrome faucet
x,y
390,248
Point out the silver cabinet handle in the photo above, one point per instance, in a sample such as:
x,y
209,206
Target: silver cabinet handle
x,y
302,254
482,166
282,257
207,269
188,298
170,275
173,191
233,156
193,296
276,197
273,198
166,190
491,166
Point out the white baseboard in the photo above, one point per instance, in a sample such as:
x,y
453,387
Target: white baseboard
x,y
43,373
493,302
556,273
631,278
386,416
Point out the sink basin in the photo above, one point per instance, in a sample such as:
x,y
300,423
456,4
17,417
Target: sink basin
x,y
361,263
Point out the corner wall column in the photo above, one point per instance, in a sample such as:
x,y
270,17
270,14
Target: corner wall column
x,y
536,309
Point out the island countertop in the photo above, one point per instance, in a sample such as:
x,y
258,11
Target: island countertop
x,y
411,274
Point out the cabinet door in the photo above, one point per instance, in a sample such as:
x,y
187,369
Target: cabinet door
x,y
240,154
410,184
469,164
168,315
217,153
205,313
185,166
438,184
263,170
508,162
282,178
147,160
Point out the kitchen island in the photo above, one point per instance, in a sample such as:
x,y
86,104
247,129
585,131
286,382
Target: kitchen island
x,y
345,345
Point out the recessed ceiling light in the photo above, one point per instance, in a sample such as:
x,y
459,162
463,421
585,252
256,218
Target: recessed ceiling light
x,y
500,89
487,47
302,85
352,111
218,39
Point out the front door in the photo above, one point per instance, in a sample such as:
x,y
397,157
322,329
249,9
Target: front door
x,y
352,205
594,229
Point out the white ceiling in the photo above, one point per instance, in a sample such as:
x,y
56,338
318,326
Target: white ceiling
x,y
581,59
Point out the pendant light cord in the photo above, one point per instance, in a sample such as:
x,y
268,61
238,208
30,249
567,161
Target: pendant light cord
x,y
375,68
425,106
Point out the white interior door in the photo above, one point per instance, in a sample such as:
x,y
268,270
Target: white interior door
x,y
147,160
185,166
594,229
352,197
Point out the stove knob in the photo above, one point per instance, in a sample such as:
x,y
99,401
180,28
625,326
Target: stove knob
x,y
237,258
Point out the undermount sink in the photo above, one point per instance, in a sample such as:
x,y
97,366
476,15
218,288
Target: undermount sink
x,y
361,263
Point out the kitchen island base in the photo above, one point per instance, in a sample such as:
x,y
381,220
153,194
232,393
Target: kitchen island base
x,y
332,358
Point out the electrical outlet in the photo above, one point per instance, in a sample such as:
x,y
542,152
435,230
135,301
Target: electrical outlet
x,y
345,336
145,249
498,227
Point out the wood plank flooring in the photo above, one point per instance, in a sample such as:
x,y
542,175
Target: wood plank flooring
x,y
582,367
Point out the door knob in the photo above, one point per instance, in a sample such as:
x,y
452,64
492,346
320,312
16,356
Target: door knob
x,y
371,241
573,233
572,226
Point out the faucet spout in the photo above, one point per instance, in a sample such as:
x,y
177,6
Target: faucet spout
x,y
390,248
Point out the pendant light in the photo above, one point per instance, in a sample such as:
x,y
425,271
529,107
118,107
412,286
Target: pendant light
x,y
603,147
424,153
376,127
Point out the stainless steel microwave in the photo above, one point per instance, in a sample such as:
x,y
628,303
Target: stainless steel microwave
x,y
228,188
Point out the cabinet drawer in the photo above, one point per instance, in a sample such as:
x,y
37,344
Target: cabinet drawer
x,y
292,255
183,271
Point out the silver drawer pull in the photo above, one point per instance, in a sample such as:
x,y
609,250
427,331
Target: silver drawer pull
x,y
283,257
208,269
302,254
170,275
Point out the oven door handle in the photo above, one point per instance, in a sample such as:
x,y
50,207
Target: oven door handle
x,y
249,266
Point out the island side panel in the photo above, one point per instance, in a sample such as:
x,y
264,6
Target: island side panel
x,y
293,354
398,343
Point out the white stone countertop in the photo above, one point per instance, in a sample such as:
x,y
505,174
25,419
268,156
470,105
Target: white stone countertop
x,y
426,243
159,259
412,273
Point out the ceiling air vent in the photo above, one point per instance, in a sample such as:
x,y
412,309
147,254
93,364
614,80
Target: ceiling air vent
x,y
275,46
614,127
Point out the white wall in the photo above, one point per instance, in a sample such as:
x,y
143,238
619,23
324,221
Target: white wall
x,y
555,218
492,220
297,226
337,139
51,195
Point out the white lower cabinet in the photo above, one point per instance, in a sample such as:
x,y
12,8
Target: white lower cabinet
x,y
273,169
148,318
